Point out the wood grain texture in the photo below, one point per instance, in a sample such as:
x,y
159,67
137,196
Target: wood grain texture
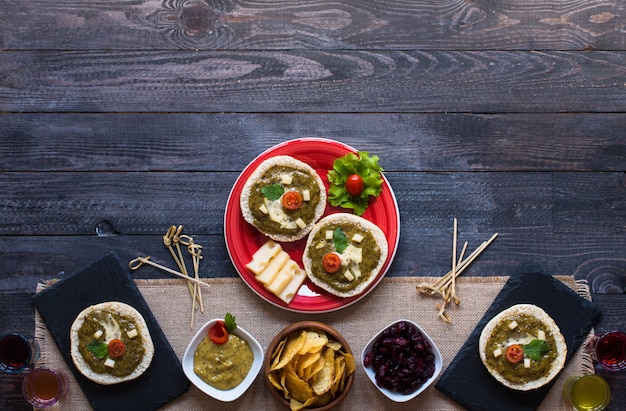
x,y
354,25
312,81
213,142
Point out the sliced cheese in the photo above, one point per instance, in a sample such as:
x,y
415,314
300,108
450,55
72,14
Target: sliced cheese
x,y
283,278
262,257
292,288
352,255
275,265
111,328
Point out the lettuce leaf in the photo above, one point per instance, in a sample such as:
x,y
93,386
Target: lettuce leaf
x,y
362,164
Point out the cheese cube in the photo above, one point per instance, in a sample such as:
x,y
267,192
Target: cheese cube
x,y
306,195
292,288
526,362
132,333
262,256
541,335
109,363
300,223
349,276
497,352
357,238
329,235
264,209
271,270
98,334
286,179
513,325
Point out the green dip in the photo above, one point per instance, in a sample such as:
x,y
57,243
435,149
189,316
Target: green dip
x,y
301,180
502,335
131,358
371,255
223,366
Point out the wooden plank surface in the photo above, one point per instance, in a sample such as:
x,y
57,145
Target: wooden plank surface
x,y
118,119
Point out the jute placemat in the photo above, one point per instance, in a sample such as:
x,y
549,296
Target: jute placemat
x,y
394,298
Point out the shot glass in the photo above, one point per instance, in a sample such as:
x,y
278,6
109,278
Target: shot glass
x,y
587,392
610,350
44,387
17,352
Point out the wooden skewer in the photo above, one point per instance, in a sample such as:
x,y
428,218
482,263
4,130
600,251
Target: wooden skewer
x,y
139,261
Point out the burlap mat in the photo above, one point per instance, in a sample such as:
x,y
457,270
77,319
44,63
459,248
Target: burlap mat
x,y
393,299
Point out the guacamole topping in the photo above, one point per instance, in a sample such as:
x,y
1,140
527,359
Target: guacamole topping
x,y
526,331
358,258
223,366
110,325
278,220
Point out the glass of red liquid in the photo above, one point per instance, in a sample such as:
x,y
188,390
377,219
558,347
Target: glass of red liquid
x,y
43,387
17,352
610,350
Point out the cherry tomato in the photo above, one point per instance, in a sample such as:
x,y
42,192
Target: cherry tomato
x,y
218,333
292,200
514,353
116,348
331,262
354,185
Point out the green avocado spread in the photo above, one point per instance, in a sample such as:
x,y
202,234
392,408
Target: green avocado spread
x,y
133,354
526,330
300,181
341,281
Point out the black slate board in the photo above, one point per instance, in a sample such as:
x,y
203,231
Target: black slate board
x,y
467,381
107,280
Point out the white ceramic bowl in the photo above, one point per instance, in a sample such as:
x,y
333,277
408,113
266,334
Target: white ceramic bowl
x,y
394,396
222,395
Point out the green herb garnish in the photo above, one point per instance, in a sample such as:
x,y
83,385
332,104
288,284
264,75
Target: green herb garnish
x,y
273,192
365,166
536,349
98,348
340,240
229,320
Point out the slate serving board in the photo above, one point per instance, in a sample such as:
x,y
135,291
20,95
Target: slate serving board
x,y
467,381
108,280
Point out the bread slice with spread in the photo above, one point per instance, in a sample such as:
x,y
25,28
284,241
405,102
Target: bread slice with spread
x,y
283,198
358,246
96,329
522,347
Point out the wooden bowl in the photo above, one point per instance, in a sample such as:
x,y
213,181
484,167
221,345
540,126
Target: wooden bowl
x,y
299,326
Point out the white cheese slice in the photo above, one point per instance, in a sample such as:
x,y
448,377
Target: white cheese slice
x,y
111,328
109,363
277,214
262,257
292,288
352,255
275,265
283,278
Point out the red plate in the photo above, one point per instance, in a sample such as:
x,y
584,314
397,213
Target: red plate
x,y
243,239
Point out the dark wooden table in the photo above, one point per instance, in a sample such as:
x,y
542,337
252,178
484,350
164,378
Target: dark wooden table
x,y
119,119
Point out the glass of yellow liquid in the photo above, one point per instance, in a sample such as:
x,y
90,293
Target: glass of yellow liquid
x,y
587,392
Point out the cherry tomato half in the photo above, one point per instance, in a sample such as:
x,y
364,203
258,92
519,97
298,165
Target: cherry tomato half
x,y
292,200
514,353
117,348
354,185
331,262
218,333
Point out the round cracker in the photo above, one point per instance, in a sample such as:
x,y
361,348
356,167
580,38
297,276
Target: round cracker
x,y
288,161
347,219
552,327
142,329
